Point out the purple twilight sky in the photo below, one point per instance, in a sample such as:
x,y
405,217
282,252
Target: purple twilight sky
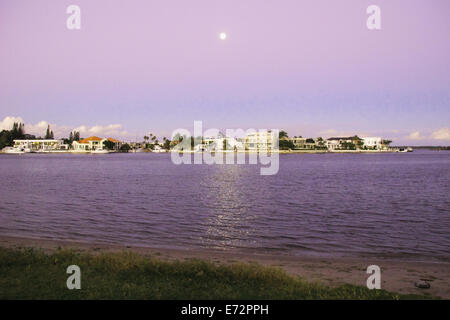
x,y
310,67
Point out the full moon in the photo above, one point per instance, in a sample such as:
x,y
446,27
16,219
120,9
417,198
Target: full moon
x,y
222,36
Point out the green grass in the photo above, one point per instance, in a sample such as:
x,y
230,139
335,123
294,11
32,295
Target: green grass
x,y
33,274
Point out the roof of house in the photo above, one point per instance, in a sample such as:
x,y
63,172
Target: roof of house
x,y
93,138
344,138
113,140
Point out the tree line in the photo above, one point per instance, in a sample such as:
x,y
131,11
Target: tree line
x,y
7,137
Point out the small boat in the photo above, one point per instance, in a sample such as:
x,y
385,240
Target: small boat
x,y
409,149
12,150
100,151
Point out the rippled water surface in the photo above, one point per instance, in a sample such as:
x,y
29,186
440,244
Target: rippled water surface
x,y
321,204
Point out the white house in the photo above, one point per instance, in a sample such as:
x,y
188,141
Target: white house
x,y
342,143
299,142
40,145
220,143
93,144
333,144
375,143
261,141
158,148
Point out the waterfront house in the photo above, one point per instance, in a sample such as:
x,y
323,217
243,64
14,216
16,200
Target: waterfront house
x,y
333,144
261,141
310,144
94,143
213,143
219,143
299,142
373,143
88,144
158,148
40,145
117,143
344,143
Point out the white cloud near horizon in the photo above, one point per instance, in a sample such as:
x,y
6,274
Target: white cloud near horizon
x,y
7,123
112,130
119,132
335,133
108,130
441,134
329,132
415,136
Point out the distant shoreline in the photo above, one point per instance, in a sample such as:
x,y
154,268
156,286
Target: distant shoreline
x,y
439,148
222,152
397,276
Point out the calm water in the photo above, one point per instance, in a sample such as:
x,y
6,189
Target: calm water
x,y
320,204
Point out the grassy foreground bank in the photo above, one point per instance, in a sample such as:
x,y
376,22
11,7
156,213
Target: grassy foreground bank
x,y
32,274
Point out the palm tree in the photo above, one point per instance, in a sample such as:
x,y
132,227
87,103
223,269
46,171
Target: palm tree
x,y
282,134
320,141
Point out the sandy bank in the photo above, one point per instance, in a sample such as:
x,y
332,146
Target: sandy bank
x,y
397,276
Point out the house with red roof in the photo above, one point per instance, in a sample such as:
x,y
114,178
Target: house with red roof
x,y
94,144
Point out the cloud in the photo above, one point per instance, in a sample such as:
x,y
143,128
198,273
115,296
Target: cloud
x,y
441,134
114,130
414,136
8,122
39,129
328,132
335,133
